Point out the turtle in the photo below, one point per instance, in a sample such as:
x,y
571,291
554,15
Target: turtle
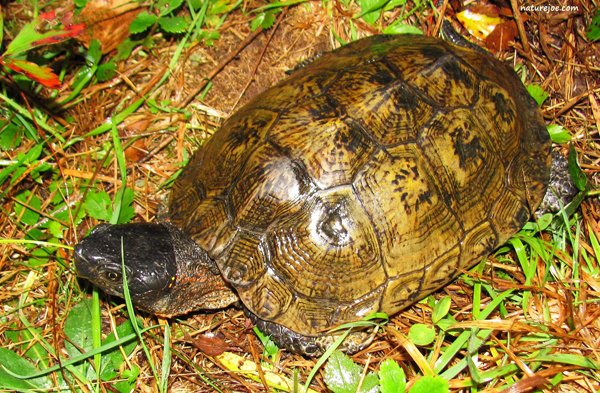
x,y
364,181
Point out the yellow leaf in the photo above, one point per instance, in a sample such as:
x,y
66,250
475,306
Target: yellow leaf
x,y
248,368
479,25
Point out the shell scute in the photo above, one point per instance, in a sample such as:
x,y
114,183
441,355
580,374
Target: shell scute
x,y
270,185
337,147
466,162
398,192
328,244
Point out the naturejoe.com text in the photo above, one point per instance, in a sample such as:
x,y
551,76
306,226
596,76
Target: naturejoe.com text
x,y
549,8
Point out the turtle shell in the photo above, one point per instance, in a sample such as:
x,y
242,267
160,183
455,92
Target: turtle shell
x,y
366,180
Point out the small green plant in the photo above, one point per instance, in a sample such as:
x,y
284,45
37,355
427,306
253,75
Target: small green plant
x,y
30,37
558,133
264,19
31,369
535,90
98,205
265,16
430,384
538,93
204,18
271,350
342,375
164,17
593,32
372,10
392,378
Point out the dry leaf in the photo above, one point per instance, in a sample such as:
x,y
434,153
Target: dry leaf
x,y
211,344
136,151
499,38
108,22
478,23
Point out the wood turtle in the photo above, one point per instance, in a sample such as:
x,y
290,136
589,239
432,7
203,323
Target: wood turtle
x,y
361,183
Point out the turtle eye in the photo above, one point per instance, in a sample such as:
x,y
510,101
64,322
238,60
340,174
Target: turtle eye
x,y
112,276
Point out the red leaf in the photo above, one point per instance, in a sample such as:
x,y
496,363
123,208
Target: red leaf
x,y
41,74
70,31
75,29
49,16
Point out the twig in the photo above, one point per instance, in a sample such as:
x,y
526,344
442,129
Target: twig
x,y
438,24
521,28
260,58
201,87
220,66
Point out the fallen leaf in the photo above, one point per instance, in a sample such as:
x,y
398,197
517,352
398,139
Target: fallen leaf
x,y
108,22
485,9
41,74
478,24
211,344
136,151
69,31
500,37
247,367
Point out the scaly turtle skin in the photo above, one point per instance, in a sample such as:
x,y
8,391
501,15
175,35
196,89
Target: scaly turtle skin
x,y
361,183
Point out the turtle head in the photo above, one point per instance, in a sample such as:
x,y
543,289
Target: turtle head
x,y
167,273
144,250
